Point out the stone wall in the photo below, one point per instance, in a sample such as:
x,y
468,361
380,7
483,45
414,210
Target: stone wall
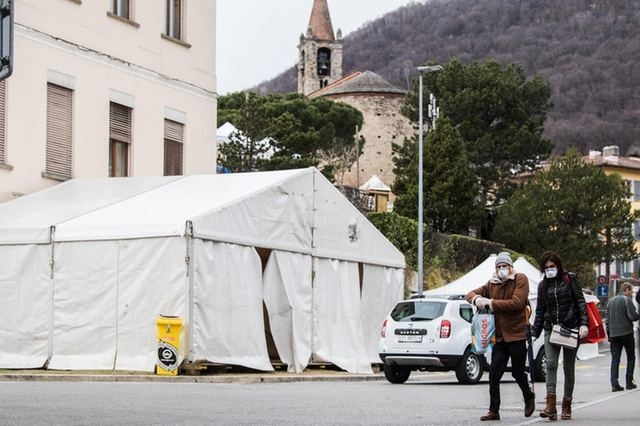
x,y
383,125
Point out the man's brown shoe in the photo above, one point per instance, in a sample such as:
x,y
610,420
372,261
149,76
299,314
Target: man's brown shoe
x,y
530,405
490,416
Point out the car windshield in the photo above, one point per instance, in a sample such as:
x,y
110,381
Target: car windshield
x,y
417,311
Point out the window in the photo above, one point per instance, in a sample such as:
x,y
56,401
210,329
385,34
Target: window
x,y
173,143
174,19
59,132
3,100
121,8
636,190
119,139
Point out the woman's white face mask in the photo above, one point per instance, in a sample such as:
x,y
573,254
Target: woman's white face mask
x,y
551,272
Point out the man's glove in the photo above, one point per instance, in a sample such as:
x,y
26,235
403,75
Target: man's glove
x,y
584,330
482,302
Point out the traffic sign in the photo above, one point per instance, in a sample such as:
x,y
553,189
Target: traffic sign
x,y
602,290
602,279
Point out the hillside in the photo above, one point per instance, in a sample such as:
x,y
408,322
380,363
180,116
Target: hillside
x,y
589,50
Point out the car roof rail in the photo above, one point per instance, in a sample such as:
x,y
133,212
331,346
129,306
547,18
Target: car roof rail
x,y
457,297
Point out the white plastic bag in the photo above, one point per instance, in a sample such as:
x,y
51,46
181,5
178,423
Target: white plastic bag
x,y
483,331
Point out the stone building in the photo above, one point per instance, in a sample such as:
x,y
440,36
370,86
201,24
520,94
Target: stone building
x,y
379,101
320,51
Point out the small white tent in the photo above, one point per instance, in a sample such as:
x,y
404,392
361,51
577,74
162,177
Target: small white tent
x,y
479,275
89,265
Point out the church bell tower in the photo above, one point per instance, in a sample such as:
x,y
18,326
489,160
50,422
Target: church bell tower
x,y
320,52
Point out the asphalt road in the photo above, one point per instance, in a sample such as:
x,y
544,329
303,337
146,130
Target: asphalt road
x,y
427,398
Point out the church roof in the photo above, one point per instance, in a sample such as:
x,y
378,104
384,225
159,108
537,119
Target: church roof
x,y
359,82
320,21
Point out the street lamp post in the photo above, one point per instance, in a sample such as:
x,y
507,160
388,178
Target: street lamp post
x,y
421,70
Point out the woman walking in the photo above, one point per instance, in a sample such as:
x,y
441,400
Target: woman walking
x,y
560,301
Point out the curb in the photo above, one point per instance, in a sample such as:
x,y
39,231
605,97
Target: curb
x,y
229,378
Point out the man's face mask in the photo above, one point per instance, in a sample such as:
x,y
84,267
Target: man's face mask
x,y
503,272
551,272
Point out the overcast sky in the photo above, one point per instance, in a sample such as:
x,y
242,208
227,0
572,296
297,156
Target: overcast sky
x,y
257,39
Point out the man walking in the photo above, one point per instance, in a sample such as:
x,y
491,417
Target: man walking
x,y
506,294
619,324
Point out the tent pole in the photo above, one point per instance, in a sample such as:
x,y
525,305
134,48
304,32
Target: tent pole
x,y
190,298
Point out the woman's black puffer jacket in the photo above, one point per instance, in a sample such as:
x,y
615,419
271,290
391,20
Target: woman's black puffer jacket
x,y
560,301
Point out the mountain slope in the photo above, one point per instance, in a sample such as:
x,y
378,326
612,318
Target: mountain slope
x,y
589,50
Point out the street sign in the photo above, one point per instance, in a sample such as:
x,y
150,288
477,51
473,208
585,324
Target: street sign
x,y
602,290
602,279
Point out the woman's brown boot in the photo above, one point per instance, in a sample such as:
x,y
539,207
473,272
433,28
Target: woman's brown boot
x,y
550,411
566,408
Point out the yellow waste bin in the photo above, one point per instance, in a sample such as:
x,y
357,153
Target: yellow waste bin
x,y
169,331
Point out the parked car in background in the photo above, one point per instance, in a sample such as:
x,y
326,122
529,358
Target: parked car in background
x,y
433,333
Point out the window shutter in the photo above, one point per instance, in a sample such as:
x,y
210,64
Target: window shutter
x,y
59,130
119,123
173,147
3,100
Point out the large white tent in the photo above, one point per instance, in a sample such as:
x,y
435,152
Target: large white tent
x,y
88,266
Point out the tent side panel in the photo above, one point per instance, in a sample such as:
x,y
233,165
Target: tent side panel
x,y
84,305
152,281
279,217
381,289
287,296
342,232
24,317
227,293
337,319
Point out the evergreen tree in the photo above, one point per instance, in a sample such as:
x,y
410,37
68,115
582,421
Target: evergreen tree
x,y
500,116
301,132
573,208
450,189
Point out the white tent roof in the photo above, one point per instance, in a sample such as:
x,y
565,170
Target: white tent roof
x,y
296,210
28,219
483,272
376,184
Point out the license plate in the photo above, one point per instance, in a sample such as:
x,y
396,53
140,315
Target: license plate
x,y
404,339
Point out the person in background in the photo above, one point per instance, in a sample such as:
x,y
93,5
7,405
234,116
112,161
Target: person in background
x,y
506,294
560,301
619,326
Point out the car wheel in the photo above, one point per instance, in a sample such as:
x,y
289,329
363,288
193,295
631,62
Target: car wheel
x,y
469,371
396,374
540,368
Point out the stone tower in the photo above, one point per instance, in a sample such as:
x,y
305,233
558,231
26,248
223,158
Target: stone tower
x,y
320,52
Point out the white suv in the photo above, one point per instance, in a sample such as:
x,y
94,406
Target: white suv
x,y
433,333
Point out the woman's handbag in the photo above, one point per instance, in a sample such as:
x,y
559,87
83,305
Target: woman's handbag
x,y
483,330
563,336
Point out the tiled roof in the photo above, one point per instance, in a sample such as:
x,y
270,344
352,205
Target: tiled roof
x,y
320,21
359,82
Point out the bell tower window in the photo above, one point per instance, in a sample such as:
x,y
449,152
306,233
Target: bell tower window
x,y
324,61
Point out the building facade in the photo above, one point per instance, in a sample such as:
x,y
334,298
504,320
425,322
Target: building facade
x,y
628,168
108,88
